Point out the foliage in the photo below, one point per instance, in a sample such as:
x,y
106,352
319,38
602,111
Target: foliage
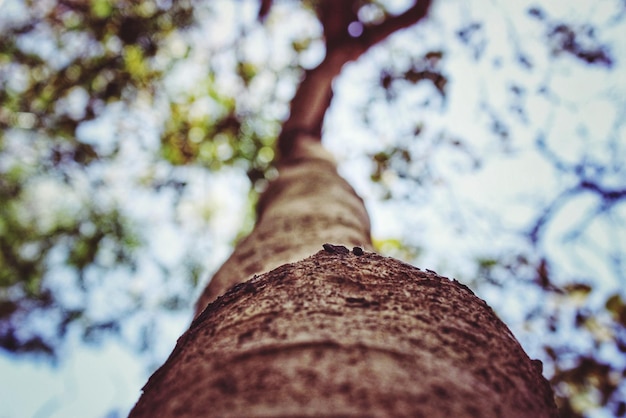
x,y
110,110
63,65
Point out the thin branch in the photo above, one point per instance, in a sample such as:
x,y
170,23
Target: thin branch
x,y
609,196
373,34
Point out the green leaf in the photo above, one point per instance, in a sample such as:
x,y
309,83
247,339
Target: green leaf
x,y
615,304
578,290
101,8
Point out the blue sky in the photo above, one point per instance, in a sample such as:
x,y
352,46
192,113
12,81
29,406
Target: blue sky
x,y
502,196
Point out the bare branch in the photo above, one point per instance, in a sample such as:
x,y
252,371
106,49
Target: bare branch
x,y
609,196
374,34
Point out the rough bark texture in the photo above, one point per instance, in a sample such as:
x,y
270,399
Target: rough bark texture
x,y
307,205
344,335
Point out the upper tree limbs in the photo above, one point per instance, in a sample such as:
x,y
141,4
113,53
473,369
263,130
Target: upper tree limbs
x,y
314,94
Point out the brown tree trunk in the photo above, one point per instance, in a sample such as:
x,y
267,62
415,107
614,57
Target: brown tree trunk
x,y
281,332
339,334
307,205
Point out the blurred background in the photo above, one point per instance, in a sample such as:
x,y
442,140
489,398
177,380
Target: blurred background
x,y
489,143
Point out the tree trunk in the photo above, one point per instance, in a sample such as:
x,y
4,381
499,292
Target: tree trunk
x,y
307,205
340,334
279,332
343,332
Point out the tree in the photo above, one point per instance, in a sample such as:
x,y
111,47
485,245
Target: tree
x,y
338,333
72,241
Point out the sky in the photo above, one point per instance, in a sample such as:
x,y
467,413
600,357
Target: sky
x,y
106,381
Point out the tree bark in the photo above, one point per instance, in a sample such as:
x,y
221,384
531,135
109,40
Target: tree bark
x,y
339,334
343,332
307,205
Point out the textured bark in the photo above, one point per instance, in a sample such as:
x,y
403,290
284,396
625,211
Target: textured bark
x,y
307,205
346,335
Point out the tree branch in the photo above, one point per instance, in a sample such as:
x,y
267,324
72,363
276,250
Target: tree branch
x,y
609,196
313,97
373,34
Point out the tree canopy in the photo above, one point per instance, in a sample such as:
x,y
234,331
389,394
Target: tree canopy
x,y
488,141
